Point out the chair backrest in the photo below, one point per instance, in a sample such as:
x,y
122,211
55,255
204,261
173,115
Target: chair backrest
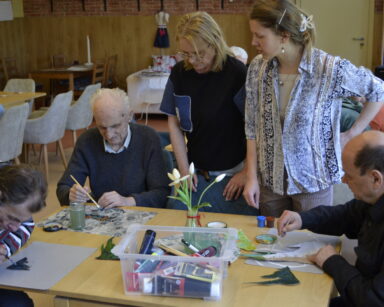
x,y
21,85
98,73
110,80
50,127
80,113
12,125
58,61
9,68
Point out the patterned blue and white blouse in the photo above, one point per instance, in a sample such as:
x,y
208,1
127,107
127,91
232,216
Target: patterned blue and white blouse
x,y
308,145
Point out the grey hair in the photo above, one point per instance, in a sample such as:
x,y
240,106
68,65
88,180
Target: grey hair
x,y
115,93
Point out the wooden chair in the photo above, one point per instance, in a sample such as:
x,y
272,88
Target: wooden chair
x,y
58,61
110,79
98,73
98,76
9,68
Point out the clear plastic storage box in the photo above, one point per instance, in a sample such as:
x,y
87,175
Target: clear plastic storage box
x,y
159,273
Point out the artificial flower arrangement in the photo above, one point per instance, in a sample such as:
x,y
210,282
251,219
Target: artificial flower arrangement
x,y
183,189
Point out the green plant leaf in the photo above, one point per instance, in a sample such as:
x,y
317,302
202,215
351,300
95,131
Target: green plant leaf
x,y
282,276
204,205
106,253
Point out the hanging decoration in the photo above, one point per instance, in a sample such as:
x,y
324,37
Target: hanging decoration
x,y
162,19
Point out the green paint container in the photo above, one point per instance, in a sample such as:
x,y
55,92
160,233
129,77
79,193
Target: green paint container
x,y
77,215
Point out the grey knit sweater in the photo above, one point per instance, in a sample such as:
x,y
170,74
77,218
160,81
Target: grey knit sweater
x,y
138,171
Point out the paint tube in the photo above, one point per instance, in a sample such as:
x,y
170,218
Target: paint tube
x,y
147,243
180,286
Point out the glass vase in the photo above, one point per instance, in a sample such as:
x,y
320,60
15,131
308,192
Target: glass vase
x,y
193,220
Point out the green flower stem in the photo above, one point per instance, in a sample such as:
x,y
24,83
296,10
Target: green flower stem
x,y
190,190
205,190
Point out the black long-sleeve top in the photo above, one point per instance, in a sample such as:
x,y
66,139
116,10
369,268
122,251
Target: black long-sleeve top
x,y
362,284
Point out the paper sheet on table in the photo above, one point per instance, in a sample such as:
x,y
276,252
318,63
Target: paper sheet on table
x,y
49,264
294,244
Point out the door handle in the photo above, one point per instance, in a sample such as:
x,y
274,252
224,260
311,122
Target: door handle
x,y
358,39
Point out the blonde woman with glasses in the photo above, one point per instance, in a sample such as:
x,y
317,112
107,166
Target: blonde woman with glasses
x,y
292,117
204,100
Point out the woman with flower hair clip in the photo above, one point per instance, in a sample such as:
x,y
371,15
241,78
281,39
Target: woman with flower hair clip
x,y
293,105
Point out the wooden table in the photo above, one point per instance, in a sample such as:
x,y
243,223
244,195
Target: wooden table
x,y
69,74
10,99
101,281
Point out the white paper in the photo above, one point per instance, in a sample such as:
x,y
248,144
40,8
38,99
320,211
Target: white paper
x,y
294,244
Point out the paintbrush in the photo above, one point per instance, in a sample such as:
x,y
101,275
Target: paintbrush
x,y
91,198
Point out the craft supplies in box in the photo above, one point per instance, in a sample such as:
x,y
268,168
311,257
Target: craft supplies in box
x,y
178,271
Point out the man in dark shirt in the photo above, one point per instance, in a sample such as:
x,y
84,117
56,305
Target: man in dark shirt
x,y
124,161
361,218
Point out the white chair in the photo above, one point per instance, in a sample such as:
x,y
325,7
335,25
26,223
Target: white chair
x,y
21,85
12,125
48,126
80,113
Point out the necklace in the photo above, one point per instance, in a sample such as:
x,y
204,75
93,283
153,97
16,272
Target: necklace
x,y
286,78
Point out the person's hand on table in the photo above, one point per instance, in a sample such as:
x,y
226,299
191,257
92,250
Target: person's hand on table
x,y
235,186
288,221
3,253
114,199
322,255
78,193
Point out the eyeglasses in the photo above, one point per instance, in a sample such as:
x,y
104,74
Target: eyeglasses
x,y
198,57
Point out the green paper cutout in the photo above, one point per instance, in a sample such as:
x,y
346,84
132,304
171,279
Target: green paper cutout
x,y
243,242
106,253
282,276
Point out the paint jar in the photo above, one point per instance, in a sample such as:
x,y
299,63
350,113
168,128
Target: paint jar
x,y
261,221
270,221
77,215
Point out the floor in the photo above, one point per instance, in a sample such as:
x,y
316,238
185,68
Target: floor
x,y
159,123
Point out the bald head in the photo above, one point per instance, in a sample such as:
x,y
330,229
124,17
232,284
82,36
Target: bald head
x,y
366,151
363,164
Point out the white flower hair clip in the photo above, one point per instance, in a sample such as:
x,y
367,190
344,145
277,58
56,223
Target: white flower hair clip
x,y
306,23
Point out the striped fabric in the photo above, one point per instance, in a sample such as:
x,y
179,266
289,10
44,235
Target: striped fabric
x,y
12,241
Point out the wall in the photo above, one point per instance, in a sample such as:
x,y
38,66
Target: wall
x,y
122,30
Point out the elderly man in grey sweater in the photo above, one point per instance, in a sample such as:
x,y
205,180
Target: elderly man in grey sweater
x,y
123,161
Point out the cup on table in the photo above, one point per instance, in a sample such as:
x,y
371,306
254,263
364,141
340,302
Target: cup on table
x,y
77,215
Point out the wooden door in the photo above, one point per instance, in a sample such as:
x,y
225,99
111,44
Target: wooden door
x,y
343,27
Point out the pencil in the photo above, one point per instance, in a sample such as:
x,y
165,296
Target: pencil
x,y
91,198
172,250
